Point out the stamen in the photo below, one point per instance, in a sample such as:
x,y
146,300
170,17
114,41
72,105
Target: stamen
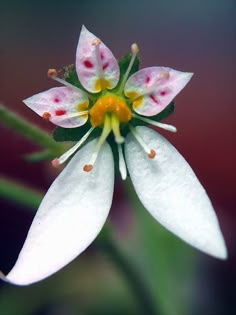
x,y
155,123
96,43
58,161
164,75
88,167
52,74
150,152
134,51
63,117
115,125
122,165
46,116
105,132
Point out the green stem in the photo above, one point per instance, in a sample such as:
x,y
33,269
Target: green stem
x,y
135,280
28,130
19,194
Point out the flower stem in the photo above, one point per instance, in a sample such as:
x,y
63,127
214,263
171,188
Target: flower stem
x,y
19,194
135,280
29,131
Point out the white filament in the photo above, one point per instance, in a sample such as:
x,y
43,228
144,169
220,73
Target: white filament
x,y
72,150
155,123
134,50
139,139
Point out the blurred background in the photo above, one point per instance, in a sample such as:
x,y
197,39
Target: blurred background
x,y
188,35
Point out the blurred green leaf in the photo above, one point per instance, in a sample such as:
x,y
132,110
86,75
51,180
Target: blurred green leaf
x,y
17,193
166,262
21,126
39,156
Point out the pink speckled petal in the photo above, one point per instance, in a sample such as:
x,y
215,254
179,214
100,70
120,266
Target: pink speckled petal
x,y
152,89
96,66
61,105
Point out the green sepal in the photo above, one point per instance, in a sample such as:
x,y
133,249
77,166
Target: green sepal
x,y
69,74
74,134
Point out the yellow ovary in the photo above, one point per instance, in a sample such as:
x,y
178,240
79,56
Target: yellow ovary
x,y
109,104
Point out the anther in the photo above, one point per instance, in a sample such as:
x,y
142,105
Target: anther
x,y
55,163
52,73
152,154
164,75
88,167
96,42
134,49
46,116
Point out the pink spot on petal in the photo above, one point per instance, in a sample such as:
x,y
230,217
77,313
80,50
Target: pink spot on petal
x,y
102,55
88,64
147,80
154,99
56,100
163,92
60,112
105,66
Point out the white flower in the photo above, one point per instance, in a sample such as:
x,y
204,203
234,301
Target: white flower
x,y
77,204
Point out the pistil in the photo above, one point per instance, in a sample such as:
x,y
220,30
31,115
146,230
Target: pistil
x,y
115,125
122,165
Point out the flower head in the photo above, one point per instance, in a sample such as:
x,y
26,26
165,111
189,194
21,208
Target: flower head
x,y
111,104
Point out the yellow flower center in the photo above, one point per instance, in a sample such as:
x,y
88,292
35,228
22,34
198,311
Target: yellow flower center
x,y
109,104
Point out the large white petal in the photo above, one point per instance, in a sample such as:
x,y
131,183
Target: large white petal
x,y
69,218
171,192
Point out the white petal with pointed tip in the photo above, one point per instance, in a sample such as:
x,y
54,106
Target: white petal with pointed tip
x,y
95,63
69,218
63,104
171,192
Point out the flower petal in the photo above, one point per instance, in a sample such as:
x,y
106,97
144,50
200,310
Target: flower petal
x,y
96,66
61,105
171,192
152,89
69,218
